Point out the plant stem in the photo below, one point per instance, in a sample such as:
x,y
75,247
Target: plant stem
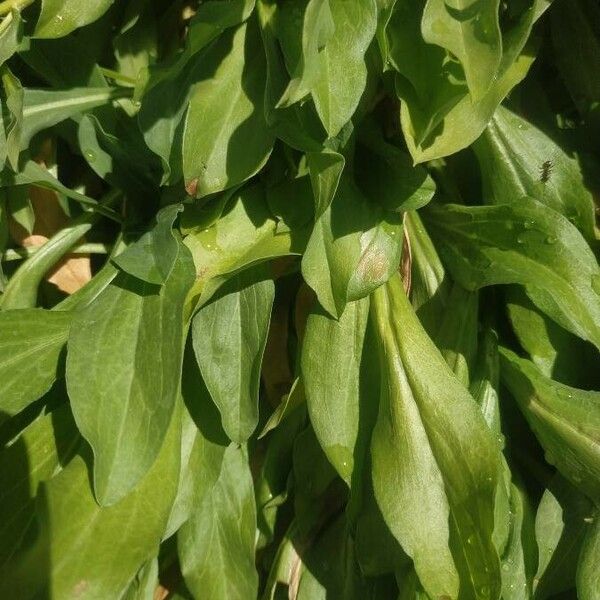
x,y
7,5
20,253
116,76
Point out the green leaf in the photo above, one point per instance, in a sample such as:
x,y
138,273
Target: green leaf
x,y
333,386
325,169
561,524
517,160
138,331
14,103
438,115
355,246
471,32
588,569
77,538
59,17
436,464
576,40
456,337
386,174
19,205
22,289
32,173
31,343
558,354
42,109
174,80
32,458
11,34
216,545
153,256
225,137
143,586
342,72
244,236
229,336
565,420
330,568
523,243
303,30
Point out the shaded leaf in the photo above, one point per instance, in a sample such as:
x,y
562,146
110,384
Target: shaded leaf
x,y
229,337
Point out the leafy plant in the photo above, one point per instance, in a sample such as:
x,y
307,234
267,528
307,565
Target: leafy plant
x,y
299,299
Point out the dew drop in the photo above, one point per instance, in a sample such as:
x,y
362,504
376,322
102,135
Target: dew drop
x,y
484,590
551,239
90,155
521,239
588,519
471,540
529,224
505,567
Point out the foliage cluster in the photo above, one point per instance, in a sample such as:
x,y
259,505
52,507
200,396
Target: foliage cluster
x,y
299,299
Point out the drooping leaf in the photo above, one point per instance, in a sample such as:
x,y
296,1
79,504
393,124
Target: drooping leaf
x,y
216,545
523,243
304,28
229,337
563,418
341,70
333,387
139,330
427,468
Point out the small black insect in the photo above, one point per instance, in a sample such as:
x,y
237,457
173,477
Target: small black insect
x,y
546,170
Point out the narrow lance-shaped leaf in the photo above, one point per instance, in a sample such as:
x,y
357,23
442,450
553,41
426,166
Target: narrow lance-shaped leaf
x,y
435,462
216,545
44,108
31,341
304,29
524,243
342,72
124,399
229,337
332,386
566,420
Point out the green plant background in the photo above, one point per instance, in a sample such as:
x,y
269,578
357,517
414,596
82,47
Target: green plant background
x,y
336,323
